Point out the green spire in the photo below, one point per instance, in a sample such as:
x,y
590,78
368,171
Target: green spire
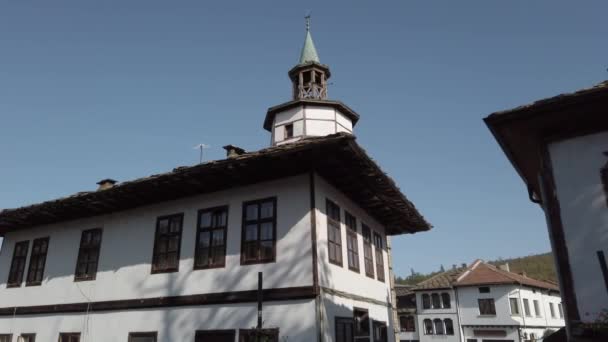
x,y
309,52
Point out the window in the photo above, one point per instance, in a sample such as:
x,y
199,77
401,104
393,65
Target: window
x,y
6,338
258,237
352,245
15,275
253,335
380,332
552,309
27,338
344,329
561,310
436,301
428,327
438,326
407,323
88,255
514,306
334,233
536,308
142,337
527,307
215,336
486,306
367,251
37,262
449,326
445,299
167,243
211,238
361,318
69,337
288,131
484,289
379,257
426,301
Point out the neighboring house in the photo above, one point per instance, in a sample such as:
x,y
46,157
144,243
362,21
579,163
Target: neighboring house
x,y
559,146
176,256
480,303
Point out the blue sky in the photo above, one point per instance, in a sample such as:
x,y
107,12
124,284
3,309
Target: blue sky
x,y
124,89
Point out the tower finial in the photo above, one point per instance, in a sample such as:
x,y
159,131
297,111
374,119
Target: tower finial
x,y
307,17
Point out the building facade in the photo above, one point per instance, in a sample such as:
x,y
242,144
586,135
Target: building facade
x,y
178,256
559,147
482,303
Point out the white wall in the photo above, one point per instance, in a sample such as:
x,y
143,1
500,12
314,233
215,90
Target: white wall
x,y
127,244
341,278
309,121
576,169
295,320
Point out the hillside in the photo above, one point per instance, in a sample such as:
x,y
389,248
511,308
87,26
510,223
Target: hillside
x,y
539,266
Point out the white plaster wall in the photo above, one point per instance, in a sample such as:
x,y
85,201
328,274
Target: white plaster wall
x,y
512,334
127,243
341,278
295,320
576,169
323,113
320,127
335,306
344,121
289,115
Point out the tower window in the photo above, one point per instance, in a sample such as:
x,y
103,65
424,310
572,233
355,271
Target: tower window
x,y
288,131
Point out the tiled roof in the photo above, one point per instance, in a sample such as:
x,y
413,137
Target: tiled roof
x,y
481,273
402,290
441,281
486,274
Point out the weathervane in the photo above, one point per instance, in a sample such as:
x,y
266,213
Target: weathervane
x,y
201,147
307,17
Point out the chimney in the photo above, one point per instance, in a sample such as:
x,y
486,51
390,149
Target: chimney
x,y
233,151
523,274
463,265
454,266
105,184
505,267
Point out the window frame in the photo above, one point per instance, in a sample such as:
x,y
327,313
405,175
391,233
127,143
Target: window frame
x,y
426,301
28,335
144,334
437,297
408,321
446,304
487,300
332,223
368,252
484,289
210,229
514,303
155,267
527,310
378,241
561,310
22,258
259,221
440,322
552,310
359,333
425,326
288,131
445,327
536,305
351,233
9,336
38,256
81,250
69,336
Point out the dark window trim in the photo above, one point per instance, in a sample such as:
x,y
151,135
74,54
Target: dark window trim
x,y
489,300
338,320
424,326
39,255
367,246
200,230
273,332
351,232
274,231
198,333
379,256
32,336
148,334
407,318
92,276
445,327
426,305
337,223
288,133
17,282
369,321
68,335
155,269
484,289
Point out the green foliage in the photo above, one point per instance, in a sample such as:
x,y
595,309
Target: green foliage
x,y
539,266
